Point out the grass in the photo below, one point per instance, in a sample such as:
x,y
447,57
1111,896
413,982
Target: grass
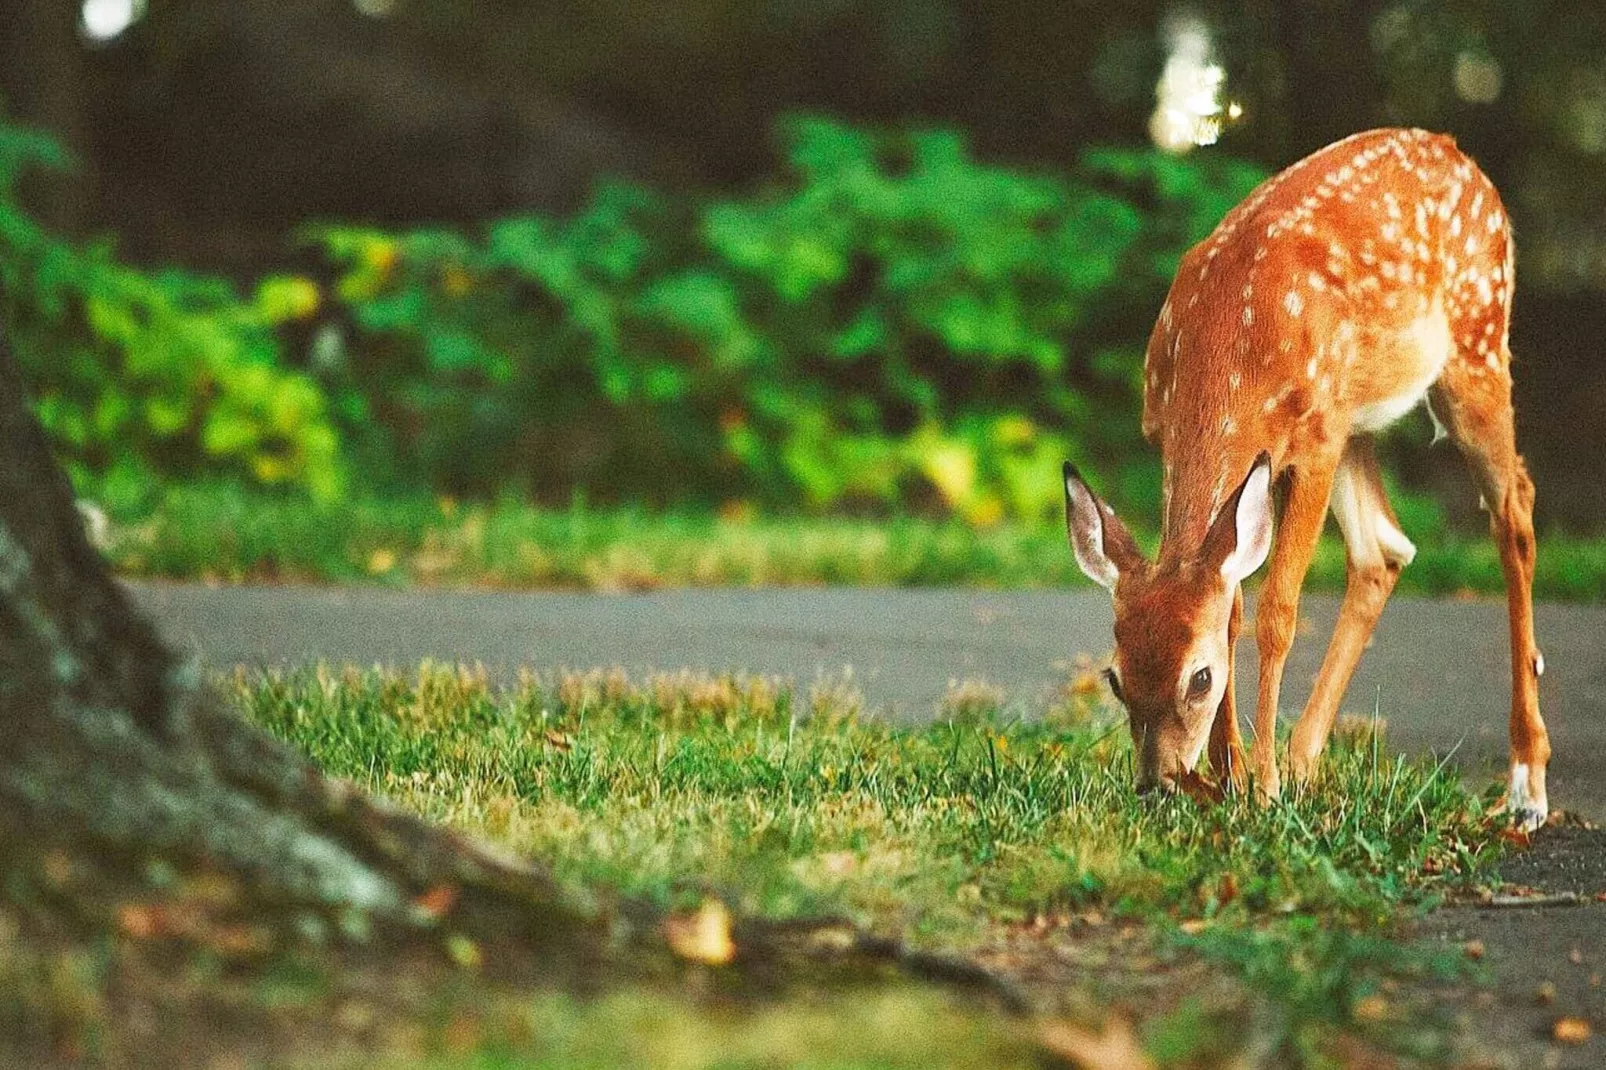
x,y
1224,929
896,1029
220,533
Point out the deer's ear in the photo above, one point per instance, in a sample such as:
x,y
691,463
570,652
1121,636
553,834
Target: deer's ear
x,y
1241,534
1104,548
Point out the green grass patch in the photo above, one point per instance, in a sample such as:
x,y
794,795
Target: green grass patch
x,y
221,533
971,832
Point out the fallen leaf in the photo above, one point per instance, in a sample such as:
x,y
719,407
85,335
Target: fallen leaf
x,y
437,902
840,863
1473,949
139,920
1515,836
1546,993
1576,957
1570,1031
702,936
1373,1008
1117,1048
240,941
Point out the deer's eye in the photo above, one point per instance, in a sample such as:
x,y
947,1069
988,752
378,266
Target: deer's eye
x,y
1115,685
1199,684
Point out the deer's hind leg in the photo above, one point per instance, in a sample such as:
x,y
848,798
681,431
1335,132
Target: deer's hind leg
x,y
1473,402
1376,550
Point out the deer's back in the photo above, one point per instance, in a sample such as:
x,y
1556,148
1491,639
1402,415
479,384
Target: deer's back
x,y
1331,298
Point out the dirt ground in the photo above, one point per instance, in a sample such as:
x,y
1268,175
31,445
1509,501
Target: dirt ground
x,y
1547,962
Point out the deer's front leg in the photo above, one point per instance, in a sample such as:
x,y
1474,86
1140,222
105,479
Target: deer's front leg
x,y
1297,531
1377,550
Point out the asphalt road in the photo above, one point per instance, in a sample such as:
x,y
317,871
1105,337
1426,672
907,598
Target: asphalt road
x,y
1437,671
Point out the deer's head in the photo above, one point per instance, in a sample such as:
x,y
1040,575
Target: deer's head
x,y
1171,664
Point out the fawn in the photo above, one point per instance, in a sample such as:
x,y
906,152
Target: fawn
x,y
1339,294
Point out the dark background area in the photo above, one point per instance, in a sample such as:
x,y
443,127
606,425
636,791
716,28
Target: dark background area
x,y
208,131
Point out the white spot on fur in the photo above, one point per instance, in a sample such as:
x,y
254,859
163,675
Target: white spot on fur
x,y
1293,303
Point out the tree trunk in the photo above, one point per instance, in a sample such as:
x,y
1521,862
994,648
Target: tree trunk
x,y
121,760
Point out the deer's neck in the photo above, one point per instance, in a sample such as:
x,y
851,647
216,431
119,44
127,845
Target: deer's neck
x,y
1199,478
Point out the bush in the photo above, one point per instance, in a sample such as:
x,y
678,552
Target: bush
x,y
139,377
893,325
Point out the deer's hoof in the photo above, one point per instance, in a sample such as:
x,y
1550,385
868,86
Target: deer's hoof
x,y
1527,818
1525,797
1302,770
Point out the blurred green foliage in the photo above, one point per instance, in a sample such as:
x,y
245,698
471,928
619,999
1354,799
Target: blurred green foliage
x,y
139,377
891,325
